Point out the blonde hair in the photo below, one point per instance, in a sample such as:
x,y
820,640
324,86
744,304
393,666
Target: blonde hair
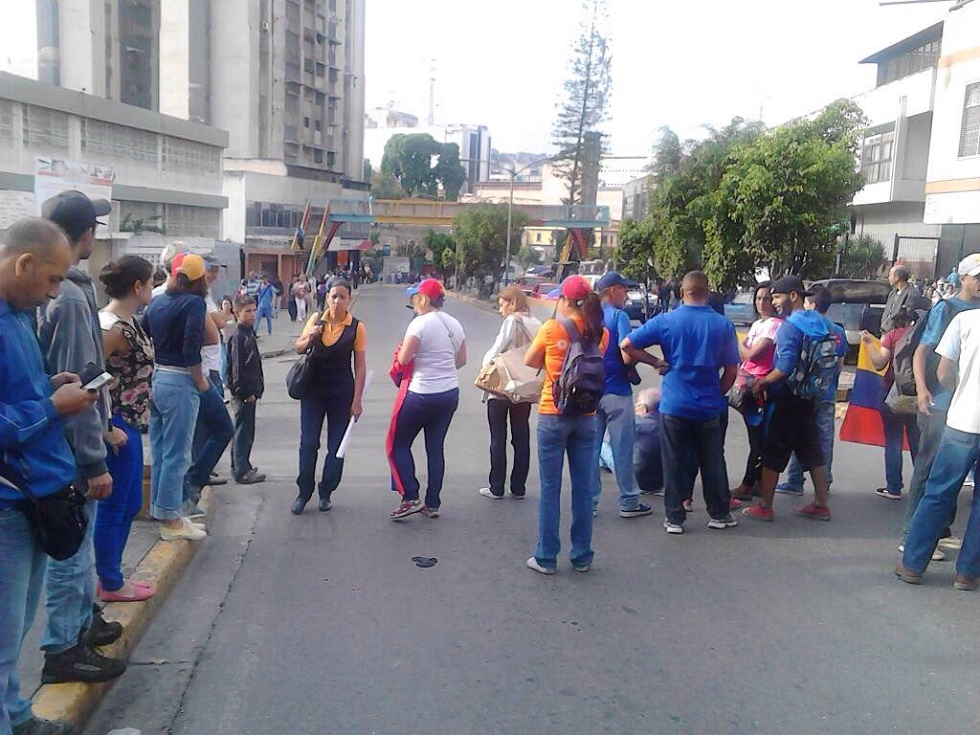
x,y
515,296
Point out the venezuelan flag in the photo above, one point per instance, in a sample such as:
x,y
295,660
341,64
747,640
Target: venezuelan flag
x,y
862,422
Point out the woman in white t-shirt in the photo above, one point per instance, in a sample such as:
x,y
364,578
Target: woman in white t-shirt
x,y
434,348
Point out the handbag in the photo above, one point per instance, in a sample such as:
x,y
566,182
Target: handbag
x,y
899,404
301,374
58,521
506,376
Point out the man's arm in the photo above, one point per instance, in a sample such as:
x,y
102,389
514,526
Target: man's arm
x,y
728,378
947,373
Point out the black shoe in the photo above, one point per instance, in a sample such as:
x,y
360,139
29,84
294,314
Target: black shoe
x,y
35,726
298,506
102,632
80,663
325,504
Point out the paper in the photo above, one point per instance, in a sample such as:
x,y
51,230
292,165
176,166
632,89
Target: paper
x,y
342,450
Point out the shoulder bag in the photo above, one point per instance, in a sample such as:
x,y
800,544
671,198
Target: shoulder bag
x,y
508,377
300,376
58,521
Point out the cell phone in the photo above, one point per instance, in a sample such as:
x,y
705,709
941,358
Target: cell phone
x,y
98,382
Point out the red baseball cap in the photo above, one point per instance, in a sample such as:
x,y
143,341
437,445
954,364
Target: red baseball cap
x,y
431,287
575,288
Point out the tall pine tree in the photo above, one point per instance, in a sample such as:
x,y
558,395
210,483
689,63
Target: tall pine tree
x,y
586,94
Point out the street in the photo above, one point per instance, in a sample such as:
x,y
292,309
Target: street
x,y
322,623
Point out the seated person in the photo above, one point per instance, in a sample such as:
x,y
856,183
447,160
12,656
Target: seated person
x,y
647,459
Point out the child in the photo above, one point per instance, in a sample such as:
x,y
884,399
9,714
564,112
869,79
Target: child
x,y
647,461
246,384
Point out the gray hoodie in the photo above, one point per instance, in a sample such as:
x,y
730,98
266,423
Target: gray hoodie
x,y
70,338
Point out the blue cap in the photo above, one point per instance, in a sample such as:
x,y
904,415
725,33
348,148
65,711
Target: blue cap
x,y
554,293
612,278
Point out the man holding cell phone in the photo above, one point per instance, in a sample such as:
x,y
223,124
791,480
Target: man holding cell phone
x,y
71,341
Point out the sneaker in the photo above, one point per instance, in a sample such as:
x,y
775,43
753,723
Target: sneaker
x,y
759,512
688,506
215,480
488,493
639,510
937,555
965,583
657,493
726,522
907,576
324,505
673,527
951,543
430,512
581,567
407,508
190,509
80,663
102,632
251,477
884,492
784,488
814,512
532,563
185,531
37,726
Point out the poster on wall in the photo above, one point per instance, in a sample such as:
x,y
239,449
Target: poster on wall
x,y
55,175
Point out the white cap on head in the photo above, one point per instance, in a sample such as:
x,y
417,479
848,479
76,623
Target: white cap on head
x,y
970,265
170,252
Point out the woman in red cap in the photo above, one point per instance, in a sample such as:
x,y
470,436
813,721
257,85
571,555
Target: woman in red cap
x,y
579,311
435,347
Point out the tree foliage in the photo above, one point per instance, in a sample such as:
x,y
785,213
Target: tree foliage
x,y
529,257
386,186
481,239
863,257
421,165
586,94
437,244
636,239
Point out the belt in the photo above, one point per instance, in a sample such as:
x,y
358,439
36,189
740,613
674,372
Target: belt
x,y
171,369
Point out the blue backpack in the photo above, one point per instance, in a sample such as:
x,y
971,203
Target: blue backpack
x,y
816,369
582,379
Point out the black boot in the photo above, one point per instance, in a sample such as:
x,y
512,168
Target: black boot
x,y
299,504
37,726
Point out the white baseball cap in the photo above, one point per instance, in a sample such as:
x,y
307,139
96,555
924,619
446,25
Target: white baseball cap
x,y
970,265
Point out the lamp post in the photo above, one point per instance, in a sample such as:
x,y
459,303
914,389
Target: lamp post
x,y
510,210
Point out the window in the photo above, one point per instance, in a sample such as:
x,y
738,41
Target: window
x,y
45,129
188,156
970,130
187,221
6,123
909,63
117,141
876,158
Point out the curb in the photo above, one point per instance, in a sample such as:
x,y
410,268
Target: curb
x,y
473,300
162,567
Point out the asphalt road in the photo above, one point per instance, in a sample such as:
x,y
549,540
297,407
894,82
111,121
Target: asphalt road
x,y
289,625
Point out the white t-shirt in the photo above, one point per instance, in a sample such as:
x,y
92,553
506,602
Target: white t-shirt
x,y
435,361
961,343
211,354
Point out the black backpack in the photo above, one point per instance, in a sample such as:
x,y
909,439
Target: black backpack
x,y
582,379
905,349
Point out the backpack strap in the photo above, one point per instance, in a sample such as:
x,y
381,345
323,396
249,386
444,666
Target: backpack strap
x,y
571,327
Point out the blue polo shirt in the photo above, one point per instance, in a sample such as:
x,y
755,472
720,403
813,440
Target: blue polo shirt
x,y
939,318
618,324
697,343
32,436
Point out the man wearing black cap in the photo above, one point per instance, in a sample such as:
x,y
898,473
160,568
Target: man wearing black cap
x,y
806,363
71,339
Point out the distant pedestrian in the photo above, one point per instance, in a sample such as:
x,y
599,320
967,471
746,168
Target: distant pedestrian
x,y
291,306
246,383
901,298
579,319
701,350
435,345
339,360
301,292
265,300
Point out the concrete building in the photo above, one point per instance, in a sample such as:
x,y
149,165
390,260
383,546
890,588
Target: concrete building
x,y
636,198
168,172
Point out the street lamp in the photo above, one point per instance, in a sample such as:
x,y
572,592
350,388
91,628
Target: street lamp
x,y
510,210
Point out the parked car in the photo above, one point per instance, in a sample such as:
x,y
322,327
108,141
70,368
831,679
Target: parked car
x,y
544,271
527,283
541,290
640,304
855,304
741,310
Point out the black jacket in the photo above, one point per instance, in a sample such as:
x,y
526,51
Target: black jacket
x,y
245,376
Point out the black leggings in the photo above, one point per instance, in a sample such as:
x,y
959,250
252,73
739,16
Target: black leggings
x,y
520,436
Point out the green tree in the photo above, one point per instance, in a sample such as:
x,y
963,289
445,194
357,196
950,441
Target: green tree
x,y
636,244
386,186
863,257
586,94
450,172
529,257
481,239
437,243
420,164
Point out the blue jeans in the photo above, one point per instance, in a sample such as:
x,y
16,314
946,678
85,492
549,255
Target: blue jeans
x,y
616,415
312,411
896,425
174,402
213,426
826,428
21,578
116,513
958,452
433,413
931,430
265,312
579,437
241,447
69,591
690,445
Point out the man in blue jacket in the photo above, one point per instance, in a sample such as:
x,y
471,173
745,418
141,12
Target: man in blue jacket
x,y
791,421
34,259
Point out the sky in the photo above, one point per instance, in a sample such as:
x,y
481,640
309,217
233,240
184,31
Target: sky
x,y
680,63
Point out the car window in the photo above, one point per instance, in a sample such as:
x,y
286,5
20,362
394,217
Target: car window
x,y
743,298
858,292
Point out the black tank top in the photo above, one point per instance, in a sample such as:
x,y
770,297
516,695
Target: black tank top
x,y
333,365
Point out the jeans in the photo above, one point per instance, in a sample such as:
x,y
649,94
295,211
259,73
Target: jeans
x,y
616,415
896,426
21,577
579,437
826,414
958,452
69,591
312,411
433,413
753,463
241,447
174,403
264,313
931,430
690,445
214,425
498,411
116,513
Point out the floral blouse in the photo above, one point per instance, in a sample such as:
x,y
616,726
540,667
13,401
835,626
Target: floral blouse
x,y
133,371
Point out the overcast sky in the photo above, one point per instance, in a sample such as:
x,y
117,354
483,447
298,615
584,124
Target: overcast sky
x,y
501,63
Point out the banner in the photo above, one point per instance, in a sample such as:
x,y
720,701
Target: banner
x,y
55,175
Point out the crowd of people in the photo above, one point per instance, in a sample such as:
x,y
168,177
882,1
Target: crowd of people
x,y
173,354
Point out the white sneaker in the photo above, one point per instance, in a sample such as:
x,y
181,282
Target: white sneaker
x,y
488,493
185,531
532,563
937,555
673,527
726,522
